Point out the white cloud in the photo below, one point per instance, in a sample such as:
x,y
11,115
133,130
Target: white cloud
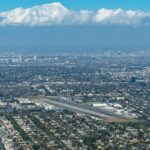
x,y
57,14
120,16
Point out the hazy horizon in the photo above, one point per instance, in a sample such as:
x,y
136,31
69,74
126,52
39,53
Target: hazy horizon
x,y
74,37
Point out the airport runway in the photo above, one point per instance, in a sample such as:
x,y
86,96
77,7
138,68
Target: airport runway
x,y
81,108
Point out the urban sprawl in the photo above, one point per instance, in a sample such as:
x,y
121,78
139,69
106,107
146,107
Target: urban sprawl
x,y
74,102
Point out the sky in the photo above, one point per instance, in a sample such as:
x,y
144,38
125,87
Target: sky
x,y
35,24
79,4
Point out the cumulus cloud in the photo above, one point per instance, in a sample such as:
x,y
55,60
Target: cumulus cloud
x,y
57,14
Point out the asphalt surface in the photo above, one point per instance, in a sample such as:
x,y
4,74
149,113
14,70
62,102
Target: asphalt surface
x,y
81,108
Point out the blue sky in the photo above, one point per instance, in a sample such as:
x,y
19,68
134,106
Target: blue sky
x,y
58,25
80,4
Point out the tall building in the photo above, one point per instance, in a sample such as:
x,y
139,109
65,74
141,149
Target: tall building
x,y
34,57
20,58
